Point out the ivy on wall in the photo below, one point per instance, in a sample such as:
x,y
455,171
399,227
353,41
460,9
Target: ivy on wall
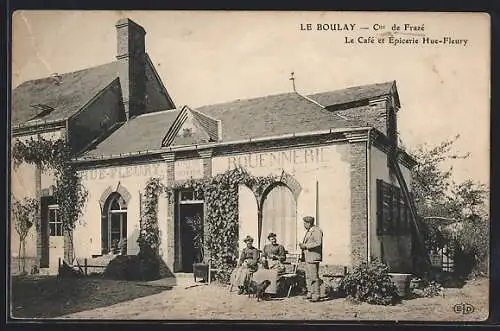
x,y
55,155
220,194
149,236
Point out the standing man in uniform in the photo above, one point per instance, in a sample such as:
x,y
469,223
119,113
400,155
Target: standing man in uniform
x,y
312,249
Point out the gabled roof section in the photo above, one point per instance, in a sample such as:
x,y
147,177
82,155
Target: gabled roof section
x,y
140,134
356,94
157,86
59,97
212,126
175,127
190,128
63,94
273,115
239,120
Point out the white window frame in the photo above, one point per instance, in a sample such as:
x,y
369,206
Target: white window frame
x,y
56,222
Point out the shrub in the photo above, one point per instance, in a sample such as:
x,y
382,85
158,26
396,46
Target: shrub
x,y
427,288
144,266
371,283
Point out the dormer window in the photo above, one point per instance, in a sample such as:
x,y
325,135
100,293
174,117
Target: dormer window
x,y
44,110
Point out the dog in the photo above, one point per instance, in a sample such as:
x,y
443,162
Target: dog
x,y
258,290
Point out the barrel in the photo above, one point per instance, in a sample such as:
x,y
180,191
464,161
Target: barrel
x,y
402,282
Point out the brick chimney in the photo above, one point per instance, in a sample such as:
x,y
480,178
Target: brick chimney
x,y
131,65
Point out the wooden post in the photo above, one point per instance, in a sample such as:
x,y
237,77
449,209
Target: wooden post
x,y
85,266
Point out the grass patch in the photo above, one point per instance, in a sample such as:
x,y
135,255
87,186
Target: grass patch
x,y
48,297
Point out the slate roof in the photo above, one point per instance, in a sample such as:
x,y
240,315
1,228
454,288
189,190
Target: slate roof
x,y
67,93
267,116
67,97
355,93
273,115
140,134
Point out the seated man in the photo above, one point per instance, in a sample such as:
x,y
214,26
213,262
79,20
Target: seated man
x,y
273,256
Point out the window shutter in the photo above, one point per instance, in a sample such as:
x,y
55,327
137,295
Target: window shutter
x,y
395,210
387,210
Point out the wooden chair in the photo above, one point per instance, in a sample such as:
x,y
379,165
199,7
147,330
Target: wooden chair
x,y
211,271
290,276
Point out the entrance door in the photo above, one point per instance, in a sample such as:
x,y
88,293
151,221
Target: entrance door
x,y
52,236
191,231
56,238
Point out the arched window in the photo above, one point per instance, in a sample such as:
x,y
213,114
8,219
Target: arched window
x,y
114,225
279,215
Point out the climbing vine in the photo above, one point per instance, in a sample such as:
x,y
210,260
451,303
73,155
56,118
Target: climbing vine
x,y
149,236
55,155
220,194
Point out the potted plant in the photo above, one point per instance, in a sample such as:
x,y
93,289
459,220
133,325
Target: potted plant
x,y
200,268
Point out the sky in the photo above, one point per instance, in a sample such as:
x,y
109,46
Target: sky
x,y
213,57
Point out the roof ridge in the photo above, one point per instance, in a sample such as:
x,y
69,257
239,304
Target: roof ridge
x,y
242,100
353,87
157,112
65,73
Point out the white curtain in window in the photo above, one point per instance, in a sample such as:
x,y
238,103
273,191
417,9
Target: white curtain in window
x,y
279,215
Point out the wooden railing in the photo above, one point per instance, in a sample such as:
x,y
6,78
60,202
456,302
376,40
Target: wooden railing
x,y
83,269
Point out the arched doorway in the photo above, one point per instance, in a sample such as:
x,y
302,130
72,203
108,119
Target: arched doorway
x,y
279,215
114,225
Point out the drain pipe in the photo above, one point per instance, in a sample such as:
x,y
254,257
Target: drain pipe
x,y
369,196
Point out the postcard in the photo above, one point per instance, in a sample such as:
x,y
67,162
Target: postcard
x,y
239,165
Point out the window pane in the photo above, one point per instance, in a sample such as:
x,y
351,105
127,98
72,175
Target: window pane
x,y
124,225
187,195
59,229
115,223
52,229
52,215
115,205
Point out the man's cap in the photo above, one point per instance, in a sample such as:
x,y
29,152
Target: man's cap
x,y
309,219
270,235
248,238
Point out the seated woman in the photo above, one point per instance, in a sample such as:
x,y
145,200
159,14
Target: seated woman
x,y
247,265
272,260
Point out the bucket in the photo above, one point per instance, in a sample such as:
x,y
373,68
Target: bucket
x,y
402,282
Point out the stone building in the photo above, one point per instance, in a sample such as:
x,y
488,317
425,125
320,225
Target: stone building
x,y
336,152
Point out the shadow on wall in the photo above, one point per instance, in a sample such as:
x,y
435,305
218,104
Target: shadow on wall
x,y
397,253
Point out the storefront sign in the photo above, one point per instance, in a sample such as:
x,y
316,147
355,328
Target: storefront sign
x,y
279,159
186,169
142,170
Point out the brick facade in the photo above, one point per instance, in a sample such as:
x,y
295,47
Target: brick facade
x,y
359,200
171,251
207,172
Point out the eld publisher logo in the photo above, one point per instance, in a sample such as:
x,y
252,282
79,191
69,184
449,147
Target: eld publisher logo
x,y
463,308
